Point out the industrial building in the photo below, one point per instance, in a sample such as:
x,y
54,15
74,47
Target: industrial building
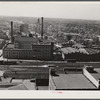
x,y
50,78
13,53
25,78
25,47
43,51
74,78
80,54
36,51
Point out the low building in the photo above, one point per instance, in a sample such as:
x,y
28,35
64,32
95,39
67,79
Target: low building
x,y
72,78
40,74
73,53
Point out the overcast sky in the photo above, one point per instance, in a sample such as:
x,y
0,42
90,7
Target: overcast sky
x,y
75,10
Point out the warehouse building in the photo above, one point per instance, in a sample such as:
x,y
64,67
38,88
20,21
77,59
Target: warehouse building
x,y
80,54
72,78
73,53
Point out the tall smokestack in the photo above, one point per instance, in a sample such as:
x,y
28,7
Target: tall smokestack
x,y
12,39
42,27
38,26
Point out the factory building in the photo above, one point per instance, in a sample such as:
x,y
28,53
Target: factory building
x,y
43,51
37,51
10,52
25,47
80,54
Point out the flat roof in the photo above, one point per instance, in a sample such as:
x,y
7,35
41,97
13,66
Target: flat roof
x,y
72,81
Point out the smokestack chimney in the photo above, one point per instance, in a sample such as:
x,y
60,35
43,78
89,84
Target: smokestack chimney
x,y
12,39
41,27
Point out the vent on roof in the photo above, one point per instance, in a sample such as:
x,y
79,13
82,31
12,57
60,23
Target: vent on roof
x,y
89,68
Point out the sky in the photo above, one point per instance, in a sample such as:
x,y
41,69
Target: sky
x,y
68,10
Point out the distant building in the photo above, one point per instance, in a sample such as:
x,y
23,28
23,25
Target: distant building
x,y
72,53
43,51
24,28
80,54
12,53
29,51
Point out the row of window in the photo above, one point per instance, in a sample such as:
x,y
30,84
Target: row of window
x,y
17,56
17,52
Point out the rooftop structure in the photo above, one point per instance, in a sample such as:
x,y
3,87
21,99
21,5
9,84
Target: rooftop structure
x,y
80,54
24,29
69,50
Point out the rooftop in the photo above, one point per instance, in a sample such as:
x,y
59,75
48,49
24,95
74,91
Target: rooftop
x,y
10,46
69,50
78,45
30,39
72,81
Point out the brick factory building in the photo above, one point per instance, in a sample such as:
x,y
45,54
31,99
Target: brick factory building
x,y
43,51
37,51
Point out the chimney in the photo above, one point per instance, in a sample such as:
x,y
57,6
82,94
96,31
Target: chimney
x,y
12,39
38,26
41,27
